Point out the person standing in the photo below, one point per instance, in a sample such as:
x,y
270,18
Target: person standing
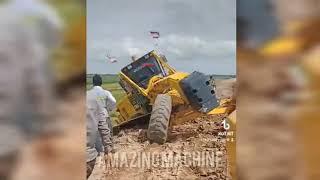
x,y
96,123
104,97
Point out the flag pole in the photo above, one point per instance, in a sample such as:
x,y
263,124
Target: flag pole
x,y
155,36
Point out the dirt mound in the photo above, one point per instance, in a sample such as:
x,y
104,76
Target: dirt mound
x,y
201,136
187,141
225,88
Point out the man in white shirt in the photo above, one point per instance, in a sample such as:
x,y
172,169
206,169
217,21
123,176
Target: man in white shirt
x,y
96,124
106,100
105,97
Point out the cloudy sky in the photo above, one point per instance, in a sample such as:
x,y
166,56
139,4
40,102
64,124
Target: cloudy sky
x,y
195,35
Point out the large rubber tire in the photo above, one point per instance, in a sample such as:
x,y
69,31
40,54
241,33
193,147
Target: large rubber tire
x,y
159,120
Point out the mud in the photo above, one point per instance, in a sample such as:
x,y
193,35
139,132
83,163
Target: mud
x,y
199,135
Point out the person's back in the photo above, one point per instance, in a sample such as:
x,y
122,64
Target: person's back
x,y
104,96
96,122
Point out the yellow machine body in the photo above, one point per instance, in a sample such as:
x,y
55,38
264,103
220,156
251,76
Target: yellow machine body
x,y
168,84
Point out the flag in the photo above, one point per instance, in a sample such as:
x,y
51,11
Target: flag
x,y
155,34
112,59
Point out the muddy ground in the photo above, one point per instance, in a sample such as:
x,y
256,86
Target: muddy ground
x,y
200,135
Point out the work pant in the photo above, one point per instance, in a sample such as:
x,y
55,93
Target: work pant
x,y
109,121
98,144
90,167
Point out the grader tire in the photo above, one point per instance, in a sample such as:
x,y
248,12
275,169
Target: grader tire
x,y
159,120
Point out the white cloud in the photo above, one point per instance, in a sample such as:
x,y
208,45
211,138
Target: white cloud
x,y
193,35
130,47
181,47
134,51
189,46
135,47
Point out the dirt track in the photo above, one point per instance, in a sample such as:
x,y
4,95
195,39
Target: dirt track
x,y
199,135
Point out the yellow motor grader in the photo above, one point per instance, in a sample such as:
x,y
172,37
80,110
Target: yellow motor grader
x,y
154,89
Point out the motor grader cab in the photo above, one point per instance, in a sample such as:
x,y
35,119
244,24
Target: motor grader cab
x,y
153,88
